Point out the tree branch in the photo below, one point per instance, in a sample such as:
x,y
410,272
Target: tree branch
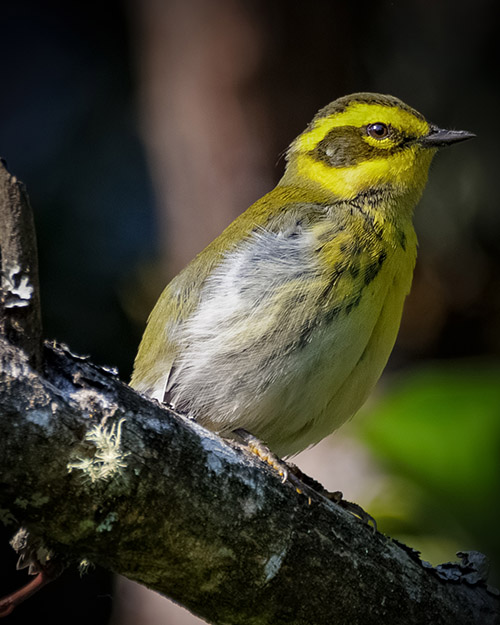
x,y
20,314
101,473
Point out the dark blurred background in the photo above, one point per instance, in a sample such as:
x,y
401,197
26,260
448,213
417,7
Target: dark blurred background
x,y
142,128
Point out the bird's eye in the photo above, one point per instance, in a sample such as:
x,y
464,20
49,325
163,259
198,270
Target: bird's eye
x,y
378,130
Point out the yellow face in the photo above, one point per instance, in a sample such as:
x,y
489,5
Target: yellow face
x,y
363,145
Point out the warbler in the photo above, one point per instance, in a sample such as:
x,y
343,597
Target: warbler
x,y
284,323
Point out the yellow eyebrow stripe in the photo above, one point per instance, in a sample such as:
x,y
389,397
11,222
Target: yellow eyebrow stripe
x,y
356,115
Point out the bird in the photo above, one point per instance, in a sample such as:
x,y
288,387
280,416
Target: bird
x,y
282,326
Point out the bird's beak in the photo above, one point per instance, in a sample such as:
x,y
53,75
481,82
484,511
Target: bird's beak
x,y
439,137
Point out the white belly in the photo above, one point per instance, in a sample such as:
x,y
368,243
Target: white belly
x,y
235,370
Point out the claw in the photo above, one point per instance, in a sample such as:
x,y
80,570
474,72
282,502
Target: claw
x,y
303,484
351,507
258,448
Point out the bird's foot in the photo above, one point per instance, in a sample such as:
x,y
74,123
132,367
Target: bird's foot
x,y
351,507
335,496
262,451
304,484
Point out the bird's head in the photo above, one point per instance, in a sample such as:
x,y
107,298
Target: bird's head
x,y
365,142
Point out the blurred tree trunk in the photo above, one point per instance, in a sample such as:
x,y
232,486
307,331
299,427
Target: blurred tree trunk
x,y
203,116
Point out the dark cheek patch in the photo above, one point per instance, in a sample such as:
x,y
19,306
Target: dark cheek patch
x,y
345,146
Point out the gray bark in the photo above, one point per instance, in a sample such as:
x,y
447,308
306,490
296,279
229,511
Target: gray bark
x,y
20,315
